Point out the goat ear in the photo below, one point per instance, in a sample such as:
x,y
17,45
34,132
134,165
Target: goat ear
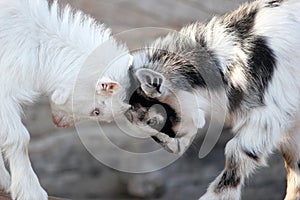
x,y
106,86
60,96
152,83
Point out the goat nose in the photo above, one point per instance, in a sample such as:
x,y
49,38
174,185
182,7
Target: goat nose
x,y
141,115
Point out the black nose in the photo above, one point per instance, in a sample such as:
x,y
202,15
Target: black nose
x,y
141,115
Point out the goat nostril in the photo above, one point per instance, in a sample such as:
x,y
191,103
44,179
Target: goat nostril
x,y
141,117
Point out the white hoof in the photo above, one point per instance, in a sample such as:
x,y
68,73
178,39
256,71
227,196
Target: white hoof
x,y
28,190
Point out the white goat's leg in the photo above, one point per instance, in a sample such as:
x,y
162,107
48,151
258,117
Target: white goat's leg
x,y
4,175
14,143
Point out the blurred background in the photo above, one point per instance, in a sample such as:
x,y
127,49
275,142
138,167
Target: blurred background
x,y
67,169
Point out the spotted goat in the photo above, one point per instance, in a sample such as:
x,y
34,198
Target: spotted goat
x,y
252,57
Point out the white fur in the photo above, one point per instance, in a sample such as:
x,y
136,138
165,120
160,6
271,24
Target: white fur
x,y
42,53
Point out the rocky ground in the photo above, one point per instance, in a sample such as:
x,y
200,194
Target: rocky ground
x,y
67,169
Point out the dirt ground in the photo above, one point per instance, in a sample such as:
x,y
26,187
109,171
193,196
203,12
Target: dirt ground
x,y
67,169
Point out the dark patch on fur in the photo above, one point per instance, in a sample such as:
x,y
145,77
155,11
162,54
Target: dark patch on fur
x,y
258,69
298,164
261,65
230,177
158,55
201,40
242,22
235,97
251,155
139,98
192,76
180,65
235,93
274,3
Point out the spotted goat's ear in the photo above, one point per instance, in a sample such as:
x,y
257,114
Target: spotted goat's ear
x,y
107,87
152,83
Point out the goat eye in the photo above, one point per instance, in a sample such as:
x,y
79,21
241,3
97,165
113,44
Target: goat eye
x,y
96,112
152,122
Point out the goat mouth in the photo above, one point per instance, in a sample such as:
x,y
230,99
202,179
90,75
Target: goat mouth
x,y
60,122
57,120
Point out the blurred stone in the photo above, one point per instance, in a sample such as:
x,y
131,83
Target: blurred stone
x,y
146,185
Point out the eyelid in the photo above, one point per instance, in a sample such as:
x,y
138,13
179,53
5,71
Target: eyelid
x,y
95,110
